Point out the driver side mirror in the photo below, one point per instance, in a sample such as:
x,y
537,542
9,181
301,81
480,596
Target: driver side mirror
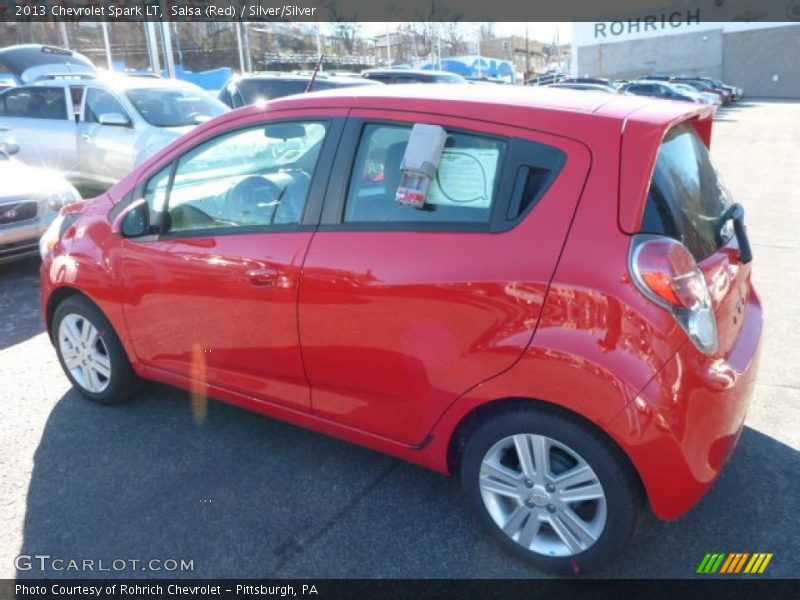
x,y
135,222
113,119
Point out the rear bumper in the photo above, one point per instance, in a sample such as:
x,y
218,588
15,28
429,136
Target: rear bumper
x,y
683,427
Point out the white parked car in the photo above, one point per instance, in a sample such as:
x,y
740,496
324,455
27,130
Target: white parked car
x,y
97,129
706,97
30,199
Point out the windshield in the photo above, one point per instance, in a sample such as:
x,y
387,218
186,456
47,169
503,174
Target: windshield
x,y
164,107
449,79
687,196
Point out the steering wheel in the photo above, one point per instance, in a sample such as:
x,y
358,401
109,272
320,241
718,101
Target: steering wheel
x,y
291,207
254,200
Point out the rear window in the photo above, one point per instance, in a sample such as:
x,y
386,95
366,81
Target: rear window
x,y
687,196
253,90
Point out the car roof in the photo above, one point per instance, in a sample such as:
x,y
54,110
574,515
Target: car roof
x,y
116,81
351,80
581,85
425,72
518,104
277,75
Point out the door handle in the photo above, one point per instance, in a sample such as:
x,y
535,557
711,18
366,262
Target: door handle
x,y
86,136
267,277
5,127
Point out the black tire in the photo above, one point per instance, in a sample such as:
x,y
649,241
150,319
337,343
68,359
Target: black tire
x,y
624,496
122,383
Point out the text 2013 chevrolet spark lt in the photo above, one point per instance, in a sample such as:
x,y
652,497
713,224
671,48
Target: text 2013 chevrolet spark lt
x,y
561,313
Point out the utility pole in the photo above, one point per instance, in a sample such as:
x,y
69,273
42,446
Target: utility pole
x,y
107,45
388,46
480,60
238,27
527,54
152,46
439,45
169,60
62,29
558,50
248,61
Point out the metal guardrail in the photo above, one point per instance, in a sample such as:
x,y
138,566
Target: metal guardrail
x,y
312,58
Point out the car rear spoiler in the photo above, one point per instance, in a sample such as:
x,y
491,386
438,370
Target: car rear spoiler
x,y
641,139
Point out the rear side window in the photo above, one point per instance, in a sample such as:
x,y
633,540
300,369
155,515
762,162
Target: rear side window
x,y
687,196
463,191
34,103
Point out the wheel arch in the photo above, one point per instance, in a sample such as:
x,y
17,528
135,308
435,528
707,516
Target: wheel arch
x,y
481,413
62,293
57,297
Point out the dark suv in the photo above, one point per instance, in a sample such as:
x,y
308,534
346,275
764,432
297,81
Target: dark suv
x,y
411,76
247,89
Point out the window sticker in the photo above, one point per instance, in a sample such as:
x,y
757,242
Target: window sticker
x,y
465,178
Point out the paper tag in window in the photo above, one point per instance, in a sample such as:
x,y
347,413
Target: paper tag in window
x,y
465,178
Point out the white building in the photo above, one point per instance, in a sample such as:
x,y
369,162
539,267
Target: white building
x,y
761,57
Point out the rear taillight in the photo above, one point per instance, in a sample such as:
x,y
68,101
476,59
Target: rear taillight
x,y
666,273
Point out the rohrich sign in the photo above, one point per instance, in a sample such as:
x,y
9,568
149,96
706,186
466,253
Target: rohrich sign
x,y
657,25
674,20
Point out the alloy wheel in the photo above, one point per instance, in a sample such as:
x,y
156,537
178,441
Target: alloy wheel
x,y
84,353
543,495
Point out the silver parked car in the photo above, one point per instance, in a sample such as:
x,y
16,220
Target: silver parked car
x,y
30,199
97,129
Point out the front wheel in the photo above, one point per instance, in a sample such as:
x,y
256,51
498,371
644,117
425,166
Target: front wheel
x,y
551,489
91,354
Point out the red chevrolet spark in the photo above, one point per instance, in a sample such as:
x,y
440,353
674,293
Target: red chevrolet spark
x,y
545,292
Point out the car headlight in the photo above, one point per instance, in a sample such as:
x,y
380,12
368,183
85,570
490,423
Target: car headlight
x,y
59,199
54,232
51,236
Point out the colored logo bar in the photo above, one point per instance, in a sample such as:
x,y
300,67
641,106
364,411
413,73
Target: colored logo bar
x,y
734,562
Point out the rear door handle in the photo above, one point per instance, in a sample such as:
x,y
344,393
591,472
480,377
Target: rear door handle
x,y
5,127
86,136
268,277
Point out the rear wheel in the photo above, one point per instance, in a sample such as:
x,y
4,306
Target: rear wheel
x,y
551,489
91,354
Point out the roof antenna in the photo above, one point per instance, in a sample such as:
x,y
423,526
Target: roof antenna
x,y
314,74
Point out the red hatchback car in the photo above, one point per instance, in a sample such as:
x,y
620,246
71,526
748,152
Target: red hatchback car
x,y
546,292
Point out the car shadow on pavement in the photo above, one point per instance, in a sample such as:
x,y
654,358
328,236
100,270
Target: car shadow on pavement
x,y
242,495
20,300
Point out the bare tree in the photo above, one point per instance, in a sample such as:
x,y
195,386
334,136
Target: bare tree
x,y
344,26
487,31
434,24
453,38
348,33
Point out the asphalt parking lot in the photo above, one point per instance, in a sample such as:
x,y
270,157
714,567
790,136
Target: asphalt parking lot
x,y
245,496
